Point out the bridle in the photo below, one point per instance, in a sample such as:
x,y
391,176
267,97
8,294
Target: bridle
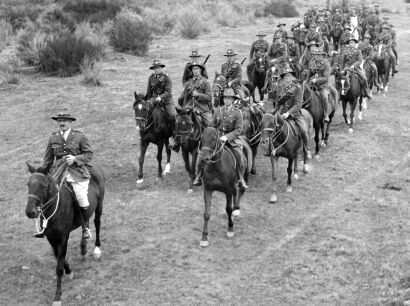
x,y
215,151
275,133
189,133
149,116
306,103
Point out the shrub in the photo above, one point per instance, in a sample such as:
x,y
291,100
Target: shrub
x,y
190,26
228,15
18,15
280,8
91,72
56,19
30,44
10,69
95,35
159,23
5,33
130,33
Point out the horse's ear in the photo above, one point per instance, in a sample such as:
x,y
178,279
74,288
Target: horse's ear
x,y
135,95
31,169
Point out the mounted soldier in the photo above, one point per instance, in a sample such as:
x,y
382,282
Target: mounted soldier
x,y
281,30
307,55
197,97
344,38
351,60
72,147
368,56
278,48
289,101
318,77
259,44
232,71
228,121
293,49
195,56
387,40
323,28
394,43
312,34
337,17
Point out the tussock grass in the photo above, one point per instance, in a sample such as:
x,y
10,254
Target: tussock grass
x,y
5,33
10,69
280,8
190,24
91,72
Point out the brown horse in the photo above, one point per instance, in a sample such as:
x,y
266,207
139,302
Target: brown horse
x,y
219,174
220,84
59,215
279,139
383,64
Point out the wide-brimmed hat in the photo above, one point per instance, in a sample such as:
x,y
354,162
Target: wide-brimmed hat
x,y
195,54
64,114
318,51
320,19
229,92
261,34
351,37
313,43
390,25
385,26
156,63
347,26
195,63
286,69
367,35
281,23
386,17
230,52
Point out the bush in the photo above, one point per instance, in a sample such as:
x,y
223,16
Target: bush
x,y
95,35
30,44
10,69
56,19
20,14
159,23
228,15
190,26
5,33
130,33
280,8
91,72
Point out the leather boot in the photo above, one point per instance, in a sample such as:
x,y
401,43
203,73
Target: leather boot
x,y
86,226
198,179
325,104
305,139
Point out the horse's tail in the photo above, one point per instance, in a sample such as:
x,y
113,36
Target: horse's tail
x,y
247,151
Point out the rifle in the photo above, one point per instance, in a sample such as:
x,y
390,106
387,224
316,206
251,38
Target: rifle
x,y
243,60
206,59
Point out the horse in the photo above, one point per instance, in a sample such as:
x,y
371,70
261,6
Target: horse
x,y
383,64
220,84
336,33
371,81
279,139
257,73
59,214
154,127
190,131
350,90
252,117
272,77
312,103
219,174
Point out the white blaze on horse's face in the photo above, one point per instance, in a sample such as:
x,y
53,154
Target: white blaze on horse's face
x,y
342,82
139,106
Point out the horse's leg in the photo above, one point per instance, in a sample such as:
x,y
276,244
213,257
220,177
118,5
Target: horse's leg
x,y
322,131
193,168
60,251
261,94
229,197
317,130
143,150
352,108
207,215
254,152
344,102
159,158
289,170
185,156
295,164
168,152
362,102
274,162
97,224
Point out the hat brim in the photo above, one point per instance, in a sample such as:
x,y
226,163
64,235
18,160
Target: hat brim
x,y
280,24
155,66
354,39
64,117
233,54
261,35
196,65
233,96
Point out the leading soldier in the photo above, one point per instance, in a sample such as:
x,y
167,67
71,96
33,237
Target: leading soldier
x,y
232,71
195,56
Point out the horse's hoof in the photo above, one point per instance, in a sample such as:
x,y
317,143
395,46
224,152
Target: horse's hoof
x,y
350,130
348,122
70,276
140,181
253,172
296,177
204,243
190,191
289,189
273,198
236,212
360,116
306,169
230,235
57,303
167,169
364,105
322,144
97,253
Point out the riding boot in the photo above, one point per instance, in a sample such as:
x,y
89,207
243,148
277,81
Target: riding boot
x,y
325,104
305,138
198,171
176,139
86,225
366,89
240,168
393,62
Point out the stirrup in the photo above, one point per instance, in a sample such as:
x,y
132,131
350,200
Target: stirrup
x,y
86,233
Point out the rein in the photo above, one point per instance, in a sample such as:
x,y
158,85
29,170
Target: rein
x,y
275,134
306,103
215,150
149,119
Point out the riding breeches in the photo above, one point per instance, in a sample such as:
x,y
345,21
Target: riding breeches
x,y
80,190
170,110
301,124
324,93
394,49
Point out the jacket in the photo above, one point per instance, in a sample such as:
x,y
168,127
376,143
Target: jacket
x,y
351,57
201,103
159,86
229,122
320,70
232,72
290,98
259,45
188,74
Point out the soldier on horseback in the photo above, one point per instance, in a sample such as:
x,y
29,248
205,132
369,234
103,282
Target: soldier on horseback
x,y
281,31
387,40
289,101
344,38
318,76
312,34
278,48
351,61
293,49
72,146
394,43
307,55
196,96
227,120
195,56
232,71
337,17
368,55
261,44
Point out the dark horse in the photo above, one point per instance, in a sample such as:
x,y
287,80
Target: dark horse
x,y
56,204
257,73
155,127
220,84
350,90
190,130
382,60
336,32
313,104
280,139
219,174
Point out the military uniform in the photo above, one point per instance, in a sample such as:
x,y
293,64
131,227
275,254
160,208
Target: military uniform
x,y
337,17
259,44
277,50
312,35
188,74
232,71
160,85
283,33
387,40
368,54
293,52
344,40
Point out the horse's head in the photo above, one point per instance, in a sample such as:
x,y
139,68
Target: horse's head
x,y
210,145
218,88
185,124
270,127
343,81
142,110
38,191
247,122
260,64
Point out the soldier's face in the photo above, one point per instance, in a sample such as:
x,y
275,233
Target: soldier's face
x,y
157,70
64,124
228,101
352,43
230,58
196,71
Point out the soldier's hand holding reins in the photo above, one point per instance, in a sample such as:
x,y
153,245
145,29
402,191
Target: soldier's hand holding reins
x,y
70,159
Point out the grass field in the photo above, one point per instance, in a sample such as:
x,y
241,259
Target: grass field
x,y
341,238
